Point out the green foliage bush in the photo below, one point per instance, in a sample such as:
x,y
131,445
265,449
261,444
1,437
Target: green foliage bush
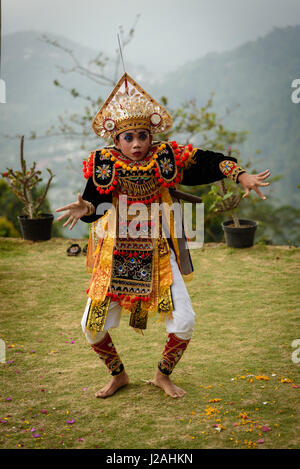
x,y
7,229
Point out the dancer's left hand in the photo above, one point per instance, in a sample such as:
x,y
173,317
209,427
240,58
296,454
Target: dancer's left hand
x,y
253,181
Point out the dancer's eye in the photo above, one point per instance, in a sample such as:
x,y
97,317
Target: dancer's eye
x,y
128,137
143,136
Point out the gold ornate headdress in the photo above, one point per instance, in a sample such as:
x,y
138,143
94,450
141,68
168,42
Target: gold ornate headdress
x,y
129,107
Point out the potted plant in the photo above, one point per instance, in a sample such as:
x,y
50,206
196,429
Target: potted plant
x,y
239,233
35,225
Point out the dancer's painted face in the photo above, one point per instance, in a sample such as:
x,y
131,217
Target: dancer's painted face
x,y
134,144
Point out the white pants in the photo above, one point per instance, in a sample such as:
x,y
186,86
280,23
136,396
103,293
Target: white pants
x,y
181,324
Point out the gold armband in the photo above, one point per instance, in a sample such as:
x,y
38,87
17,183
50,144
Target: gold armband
x,y
91,208
231,170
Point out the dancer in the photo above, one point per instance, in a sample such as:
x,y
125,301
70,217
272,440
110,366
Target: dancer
x,y
139,264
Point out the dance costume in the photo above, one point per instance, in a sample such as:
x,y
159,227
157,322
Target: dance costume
x,y
139,264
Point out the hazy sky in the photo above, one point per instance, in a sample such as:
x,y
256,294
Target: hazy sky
x,y
168,32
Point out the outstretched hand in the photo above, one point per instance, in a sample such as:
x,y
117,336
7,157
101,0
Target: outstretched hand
x,y
74,211
253,181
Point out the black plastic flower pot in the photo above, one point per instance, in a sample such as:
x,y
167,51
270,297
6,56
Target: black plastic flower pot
x,y
242,237
36,229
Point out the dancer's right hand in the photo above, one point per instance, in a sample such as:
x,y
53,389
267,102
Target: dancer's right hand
x,y
74,211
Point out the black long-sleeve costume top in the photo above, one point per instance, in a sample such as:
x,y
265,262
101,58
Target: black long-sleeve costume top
x,y
201,167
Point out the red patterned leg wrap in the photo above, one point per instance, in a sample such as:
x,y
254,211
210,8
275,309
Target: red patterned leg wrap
x,y
108,353
172,353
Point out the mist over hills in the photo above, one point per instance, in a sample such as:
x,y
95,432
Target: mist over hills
x,y
257,76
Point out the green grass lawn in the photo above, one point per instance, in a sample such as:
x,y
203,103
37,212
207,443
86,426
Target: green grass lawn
x,y
240,370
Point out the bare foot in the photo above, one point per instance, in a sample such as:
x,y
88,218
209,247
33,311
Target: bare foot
x,y
164,382
116,383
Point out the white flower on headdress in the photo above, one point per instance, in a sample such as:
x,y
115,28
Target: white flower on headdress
x,y
109,124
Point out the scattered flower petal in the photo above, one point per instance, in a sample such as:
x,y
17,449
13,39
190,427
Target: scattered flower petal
x,y
219,427
262,378
264,428
260,441
243,415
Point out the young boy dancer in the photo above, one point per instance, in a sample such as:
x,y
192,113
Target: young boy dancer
x,y
139,266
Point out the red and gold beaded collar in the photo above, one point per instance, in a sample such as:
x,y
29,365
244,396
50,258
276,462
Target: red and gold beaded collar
x,y
164,161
